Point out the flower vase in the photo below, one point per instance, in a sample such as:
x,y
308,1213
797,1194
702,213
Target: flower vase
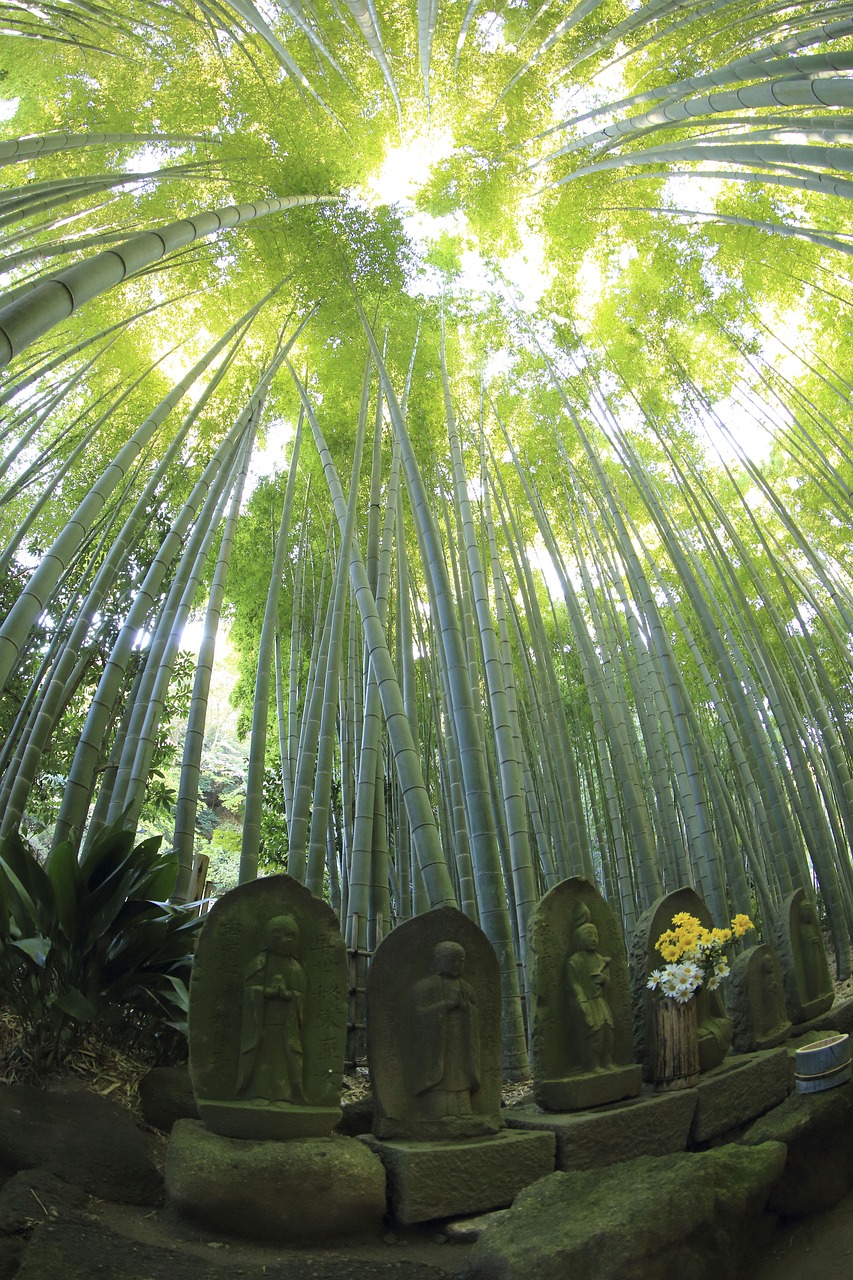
x,y
676,1047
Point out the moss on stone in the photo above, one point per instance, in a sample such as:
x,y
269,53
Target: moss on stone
x,y
644,1219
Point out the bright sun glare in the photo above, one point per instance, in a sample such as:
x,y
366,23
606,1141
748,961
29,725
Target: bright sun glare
x,y
405,168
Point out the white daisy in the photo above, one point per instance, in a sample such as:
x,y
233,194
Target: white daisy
x,y
669,981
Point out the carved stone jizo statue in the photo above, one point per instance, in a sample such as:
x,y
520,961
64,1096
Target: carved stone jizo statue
x,y
433,1030
809,989
582,1047
271,1048
757,1001
268,1012
444,1007
588,978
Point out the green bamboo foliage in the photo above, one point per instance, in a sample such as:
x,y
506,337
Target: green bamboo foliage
x,y
187,798
127,785
208,491
30,603
57,680
424,834
257,747
523,879
489,881
55,298
595,631
316,859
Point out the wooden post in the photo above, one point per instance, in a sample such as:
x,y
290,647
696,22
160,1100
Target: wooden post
x,y
676,1059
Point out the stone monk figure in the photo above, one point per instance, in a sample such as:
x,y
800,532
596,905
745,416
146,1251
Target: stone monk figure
x,y
588,978
810,955
271,1044
446,1064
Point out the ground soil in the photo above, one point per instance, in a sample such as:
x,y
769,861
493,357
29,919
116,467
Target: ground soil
x,y
815,1248
122,1242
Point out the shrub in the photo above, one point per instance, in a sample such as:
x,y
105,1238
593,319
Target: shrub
x,y
92,940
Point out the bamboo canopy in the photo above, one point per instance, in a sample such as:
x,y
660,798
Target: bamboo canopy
x,y
484,371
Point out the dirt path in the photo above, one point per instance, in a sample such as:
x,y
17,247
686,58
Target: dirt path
x,y
122,1242
816,1248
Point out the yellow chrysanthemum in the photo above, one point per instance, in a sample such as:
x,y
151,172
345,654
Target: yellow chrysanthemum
x,y
741,924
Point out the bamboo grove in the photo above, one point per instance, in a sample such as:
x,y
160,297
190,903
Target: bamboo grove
x,y
550,573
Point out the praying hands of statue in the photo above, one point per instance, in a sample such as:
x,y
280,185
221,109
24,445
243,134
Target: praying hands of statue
x,y
279,991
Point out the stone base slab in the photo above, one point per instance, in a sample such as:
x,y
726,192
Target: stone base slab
x,y
595,1089
265,1121
737,1092
428,1180
654,1124
312,1189
837,1018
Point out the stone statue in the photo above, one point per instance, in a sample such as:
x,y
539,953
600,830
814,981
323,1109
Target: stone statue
x,y
809,989
433,1030
809,952
714,1025
271,1049
268,1013
757,1001
447,1069
588,977
583,1054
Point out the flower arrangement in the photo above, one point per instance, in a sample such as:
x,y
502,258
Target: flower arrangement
x,y
695,956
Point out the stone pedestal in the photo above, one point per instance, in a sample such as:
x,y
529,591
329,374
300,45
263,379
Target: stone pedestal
x,y
739,1091
314,1189
428,1180
817,1130
266,1121
692,1214
573,1093
651,1125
